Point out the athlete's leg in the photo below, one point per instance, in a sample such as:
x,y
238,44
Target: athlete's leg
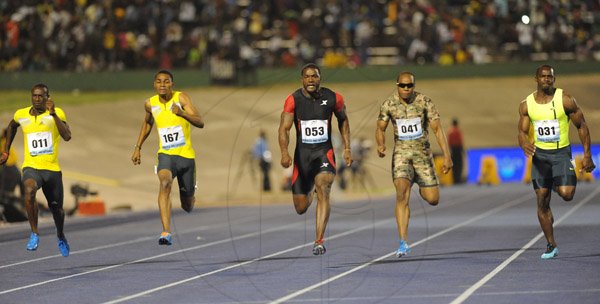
x,y
566,192
302,188
323,182
31,206
403,186
563,174
430,194
53,191
544,213
186,179
302,201
187,203
164,198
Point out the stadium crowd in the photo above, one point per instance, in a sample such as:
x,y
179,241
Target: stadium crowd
x,y
95,35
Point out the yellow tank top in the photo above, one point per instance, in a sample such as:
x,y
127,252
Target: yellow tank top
x,y
173,131
40,139
550,122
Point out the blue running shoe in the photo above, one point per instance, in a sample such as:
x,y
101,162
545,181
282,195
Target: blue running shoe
x,y
319,248
34,240
551,252
165,239
403,250
63,247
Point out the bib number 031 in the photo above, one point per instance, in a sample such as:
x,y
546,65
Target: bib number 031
x,y
547,130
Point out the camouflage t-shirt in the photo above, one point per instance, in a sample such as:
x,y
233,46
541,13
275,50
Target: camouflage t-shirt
x,y
410,120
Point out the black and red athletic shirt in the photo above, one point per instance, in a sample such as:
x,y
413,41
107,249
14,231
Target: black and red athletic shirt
x,y
322,107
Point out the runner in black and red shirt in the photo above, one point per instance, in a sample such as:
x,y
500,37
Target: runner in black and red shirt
x,y
310,110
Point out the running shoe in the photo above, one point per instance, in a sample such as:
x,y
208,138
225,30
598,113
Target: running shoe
x,y
34,240
165,239
319,248
63,247
403,249
551,252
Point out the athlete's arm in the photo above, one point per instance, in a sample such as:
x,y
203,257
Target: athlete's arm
x,y
144,132
287,120
576,116
523,136
63,127
189,113
380,137
344,127
440,135
11,131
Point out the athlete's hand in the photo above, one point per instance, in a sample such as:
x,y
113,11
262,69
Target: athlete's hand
x,y
50,106
3,158
286,160
136,158
175,109
528,148
447,165
348,157
587,164
381,151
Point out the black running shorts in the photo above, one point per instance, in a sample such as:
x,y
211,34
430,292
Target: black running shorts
x,y
551,168
50,182
307,164
184,169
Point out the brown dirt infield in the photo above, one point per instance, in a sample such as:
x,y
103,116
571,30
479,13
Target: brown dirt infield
x,y
104,134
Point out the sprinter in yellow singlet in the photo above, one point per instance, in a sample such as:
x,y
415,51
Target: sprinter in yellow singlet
x,y
173,112
43,125
549,110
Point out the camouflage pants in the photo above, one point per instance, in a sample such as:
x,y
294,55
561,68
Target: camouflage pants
x,y
416,165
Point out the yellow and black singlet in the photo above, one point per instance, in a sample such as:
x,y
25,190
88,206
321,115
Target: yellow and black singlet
x,y
173,131
550,122
40,138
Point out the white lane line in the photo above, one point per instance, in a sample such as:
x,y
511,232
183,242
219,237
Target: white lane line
x,y
245,236
382,222
341,275
194,248
138,240
134,241
412,298
201,228
465,295
144,293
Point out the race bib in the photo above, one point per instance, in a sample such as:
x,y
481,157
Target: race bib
x,y
171,137
547,130
40,143
410,128
314,131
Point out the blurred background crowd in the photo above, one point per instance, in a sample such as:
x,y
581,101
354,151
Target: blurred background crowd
x,y
98,35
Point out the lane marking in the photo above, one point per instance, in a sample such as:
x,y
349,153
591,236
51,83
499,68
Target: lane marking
x,y
150,258
449,203
382,222
199,247
341,275
149,291
467,293
138,240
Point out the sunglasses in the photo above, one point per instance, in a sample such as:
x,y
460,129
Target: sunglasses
x,y
405,85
